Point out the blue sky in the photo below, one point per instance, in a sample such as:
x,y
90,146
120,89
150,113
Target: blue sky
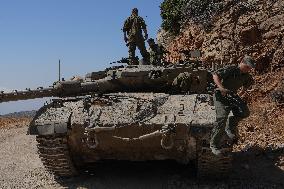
x,y
86,35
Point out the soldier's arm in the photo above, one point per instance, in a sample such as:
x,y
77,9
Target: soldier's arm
x,y
247,85
144,28
223,74
125,36
146,34
217,81
125,29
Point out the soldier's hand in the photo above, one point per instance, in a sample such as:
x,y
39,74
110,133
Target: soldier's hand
x,y
146,37
125,39
224,91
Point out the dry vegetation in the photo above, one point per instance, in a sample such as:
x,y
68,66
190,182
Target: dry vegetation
x,y
265,126
9,122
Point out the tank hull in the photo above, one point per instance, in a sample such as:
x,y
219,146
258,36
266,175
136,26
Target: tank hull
x,y
131,126
136,127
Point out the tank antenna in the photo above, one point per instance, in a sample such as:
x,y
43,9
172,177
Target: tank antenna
x,y
59,70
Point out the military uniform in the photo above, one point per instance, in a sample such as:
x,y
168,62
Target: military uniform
x,y
232,79
156,54
182,83
133,26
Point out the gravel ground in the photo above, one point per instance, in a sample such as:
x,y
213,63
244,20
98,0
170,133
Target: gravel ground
x,y
20,167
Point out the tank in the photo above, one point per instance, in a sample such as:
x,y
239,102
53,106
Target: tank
x,y
127,112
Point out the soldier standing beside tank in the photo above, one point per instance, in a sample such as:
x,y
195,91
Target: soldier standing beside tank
x,y
228,81
133,37
156,52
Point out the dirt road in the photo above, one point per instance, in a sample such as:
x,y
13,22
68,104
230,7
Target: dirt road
x,y
20,167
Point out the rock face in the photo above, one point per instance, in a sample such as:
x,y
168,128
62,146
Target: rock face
x,y
255,27
26,114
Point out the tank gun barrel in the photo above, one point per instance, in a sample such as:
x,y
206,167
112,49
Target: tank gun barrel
x,y
132,78
27,94
61,89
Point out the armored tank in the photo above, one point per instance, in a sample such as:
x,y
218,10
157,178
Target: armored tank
x,y
127,112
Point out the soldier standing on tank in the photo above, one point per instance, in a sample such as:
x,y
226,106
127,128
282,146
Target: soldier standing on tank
x,y
228,80
156,52
133,37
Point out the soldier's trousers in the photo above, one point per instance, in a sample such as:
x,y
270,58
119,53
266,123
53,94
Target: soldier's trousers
x,y
141,46
225,122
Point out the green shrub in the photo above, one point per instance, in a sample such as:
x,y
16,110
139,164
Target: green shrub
x,y
171,13
176,12
202,11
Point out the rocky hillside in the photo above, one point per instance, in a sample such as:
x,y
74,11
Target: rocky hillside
x,y
225,31
236,28
27,114
16,119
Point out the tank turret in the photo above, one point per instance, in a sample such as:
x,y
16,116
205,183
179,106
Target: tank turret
x,y
136,78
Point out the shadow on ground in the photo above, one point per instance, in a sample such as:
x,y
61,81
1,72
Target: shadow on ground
x,y
255,168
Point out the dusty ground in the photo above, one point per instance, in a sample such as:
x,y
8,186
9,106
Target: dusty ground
x,y
20,167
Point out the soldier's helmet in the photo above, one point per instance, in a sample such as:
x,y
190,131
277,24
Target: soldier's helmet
x,y
151,41
135,11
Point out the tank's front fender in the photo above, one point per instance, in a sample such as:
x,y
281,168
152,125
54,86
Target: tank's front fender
x,y
50,120
48,128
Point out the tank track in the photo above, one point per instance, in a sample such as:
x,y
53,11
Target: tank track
x,y
212,166
55,155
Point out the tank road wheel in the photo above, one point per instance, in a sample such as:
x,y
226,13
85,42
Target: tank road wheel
x,y
212,166
55,155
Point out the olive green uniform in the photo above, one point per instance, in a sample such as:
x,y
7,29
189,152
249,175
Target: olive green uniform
x,y
182,83
156,54
133,25
232,79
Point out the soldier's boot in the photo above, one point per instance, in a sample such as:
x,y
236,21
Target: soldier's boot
x,y
216,151
233,137
133,62
215,138
231,127
146,59
230,134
